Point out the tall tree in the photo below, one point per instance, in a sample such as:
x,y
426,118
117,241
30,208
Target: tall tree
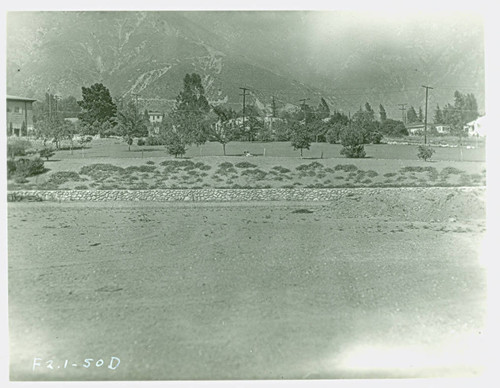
x,y
323,110
420,115
190,110
438,115
369,111
274,109
383,114
411,116
96,104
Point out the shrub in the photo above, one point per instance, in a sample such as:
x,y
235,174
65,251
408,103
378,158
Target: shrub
x,y
29,167
11,168
309,167
81,187
46,153
150,162
371,173
61,177
175,146
425,152
451,171
245,165
352,142
141,142
255,174
144,168
17,147
375,137
154,140
20,179
281,169
346,167
99,170
390,174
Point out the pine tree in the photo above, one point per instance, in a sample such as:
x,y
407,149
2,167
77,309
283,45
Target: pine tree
x,y
420,115
191,107
383,114
96,104
369,109
323,109
411,116
438,115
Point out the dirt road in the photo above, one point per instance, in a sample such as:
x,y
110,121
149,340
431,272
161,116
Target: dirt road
x,y
369,287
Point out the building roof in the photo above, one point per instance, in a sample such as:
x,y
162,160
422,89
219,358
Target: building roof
x,y
15,98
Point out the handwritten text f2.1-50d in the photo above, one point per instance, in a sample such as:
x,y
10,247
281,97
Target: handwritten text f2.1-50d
x,y
87,363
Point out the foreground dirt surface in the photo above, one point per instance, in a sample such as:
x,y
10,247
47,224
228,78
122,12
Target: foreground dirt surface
x,y
384,286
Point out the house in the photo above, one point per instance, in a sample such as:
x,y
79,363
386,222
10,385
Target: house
x,y
477,127
443,129
155,118
19,116
416,129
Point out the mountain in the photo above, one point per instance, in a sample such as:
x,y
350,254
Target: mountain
x,y
348,58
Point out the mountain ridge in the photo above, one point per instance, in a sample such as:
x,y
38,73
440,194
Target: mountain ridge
x,y
288,55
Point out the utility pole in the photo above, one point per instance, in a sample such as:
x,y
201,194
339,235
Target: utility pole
x,y
425,122
402,109
273,108
57,98
244,96
48,100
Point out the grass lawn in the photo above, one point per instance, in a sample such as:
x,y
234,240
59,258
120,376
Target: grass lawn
x,y
116,149
108,165
183,291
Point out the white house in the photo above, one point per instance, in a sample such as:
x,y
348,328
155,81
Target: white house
x,y
443,129
477,127
155,117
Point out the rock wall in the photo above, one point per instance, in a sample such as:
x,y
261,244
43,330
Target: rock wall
x,y
215,195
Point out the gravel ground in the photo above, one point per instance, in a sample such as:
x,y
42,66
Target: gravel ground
x,y
367,286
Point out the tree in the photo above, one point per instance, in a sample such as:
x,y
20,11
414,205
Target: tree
x,y
281,131
438,115
191,107
420,115
395,128
365,123
383,114
96,104
425,152
17,147
318,130
52,128
46,153
370,111
274,109
222,129
301,137
323,110
175,146
411,116
333,134
352,141
131,123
